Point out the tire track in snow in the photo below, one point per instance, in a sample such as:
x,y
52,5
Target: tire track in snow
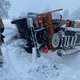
x,y
13,71
7,71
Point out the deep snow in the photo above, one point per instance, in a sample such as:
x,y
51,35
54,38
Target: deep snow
x,y
20,65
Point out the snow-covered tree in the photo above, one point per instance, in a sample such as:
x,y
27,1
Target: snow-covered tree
x,y
4,7
75,14
66,14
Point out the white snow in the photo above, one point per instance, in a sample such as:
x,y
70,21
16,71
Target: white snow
x,y
19,65
73,29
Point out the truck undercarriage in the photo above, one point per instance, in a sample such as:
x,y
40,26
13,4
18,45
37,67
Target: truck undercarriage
x,y
45,33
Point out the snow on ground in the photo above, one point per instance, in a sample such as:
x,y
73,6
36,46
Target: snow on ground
x,y
19,65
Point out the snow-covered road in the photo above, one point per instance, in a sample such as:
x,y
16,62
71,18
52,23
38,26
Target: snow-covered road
x,y
71,60
8,71
18,64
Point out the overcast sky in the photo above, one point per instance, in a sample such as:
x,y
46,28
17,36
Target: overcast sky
x,y
18,6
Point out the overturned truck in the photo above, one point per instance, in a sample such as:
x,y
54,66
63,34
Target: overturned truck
x,y
46,32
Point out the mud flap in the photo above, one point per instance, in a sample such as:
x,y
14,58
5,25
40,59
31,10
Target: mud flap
x,y
1,64
28,49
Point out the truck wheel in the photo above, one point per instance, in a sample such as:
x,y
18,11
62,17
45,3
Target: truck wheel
x,y
56,40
